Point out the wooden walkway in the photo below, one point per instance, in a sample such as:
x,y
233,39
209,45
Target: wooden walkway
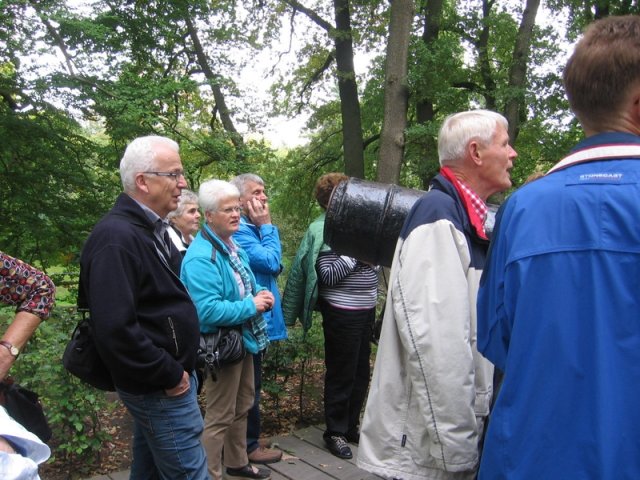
x,y
305,458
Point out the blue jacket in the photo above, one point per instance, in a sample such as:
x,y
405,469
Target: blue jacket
x,y
264,250
213,287
558,312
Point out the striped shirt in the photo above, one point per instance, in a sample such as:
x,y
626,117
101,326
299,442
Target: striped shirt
x,y
344,282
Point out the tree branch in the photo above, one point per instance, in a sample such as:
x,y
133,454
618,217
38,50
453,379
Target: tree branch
x,y
313,16
8,98
315,77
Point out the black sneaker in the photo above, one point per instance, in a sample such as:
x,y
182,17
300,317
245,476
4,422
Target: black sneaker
x,y
337,445
249,471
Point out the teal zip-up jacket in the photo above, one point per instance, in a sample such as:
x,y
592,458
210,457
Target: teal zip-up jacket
x,y
301,291
214,290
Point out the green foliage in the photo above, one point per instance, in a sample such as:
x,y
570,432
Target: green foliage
x,y
289,365
53,189
73,409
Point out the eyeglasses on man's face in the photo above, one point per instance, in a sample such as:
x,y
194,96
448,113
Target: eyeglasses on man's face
x,y
230,210
175,176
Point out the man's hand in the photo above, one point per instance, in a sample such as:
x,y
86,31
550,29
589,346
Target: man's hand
x,y
264,301
257,212
181,388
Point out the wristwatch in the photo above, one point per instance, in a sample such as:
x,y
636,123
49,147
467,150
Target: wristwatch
x,y
13,350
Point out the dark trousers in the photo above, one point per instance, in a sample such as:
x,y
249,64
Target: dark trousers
x,y
346,356
253,418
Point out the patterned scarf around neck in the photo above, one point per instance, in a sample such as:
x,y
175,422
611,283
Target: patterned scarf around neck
x,y
474,217
257,324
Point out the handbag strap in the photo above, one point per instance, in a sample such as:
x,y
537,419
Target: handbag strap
x,y
83,304
216,247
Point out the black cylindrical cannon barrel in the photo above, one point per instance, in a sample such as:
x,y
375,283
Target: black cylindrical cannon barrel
x,y
364,219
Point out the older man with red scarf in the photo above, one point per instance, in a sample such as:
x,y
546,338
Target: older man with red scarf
x,y
431,389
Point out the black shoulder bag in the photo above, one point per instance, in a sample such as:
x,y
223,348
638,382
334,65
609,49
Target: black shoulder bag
x,y
81,357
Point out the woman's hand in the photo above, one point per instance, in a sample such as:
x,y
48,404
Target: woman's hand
x,y
263,301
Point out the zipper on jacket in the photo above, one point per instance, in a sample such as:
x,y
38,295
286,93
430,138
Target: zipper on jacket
x,y
173,335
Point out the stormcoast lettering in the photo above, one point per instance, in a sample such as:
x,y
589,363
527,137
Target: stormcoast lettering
x,y
590,177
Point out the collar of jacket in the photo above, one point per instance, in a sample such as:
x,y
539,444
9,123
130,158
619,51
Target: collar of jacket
x,y
217,243
603,146
127,206
244,220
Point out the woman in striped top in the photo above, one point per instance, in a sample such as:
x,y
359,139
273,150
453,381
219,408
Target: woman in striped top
x,y
347,290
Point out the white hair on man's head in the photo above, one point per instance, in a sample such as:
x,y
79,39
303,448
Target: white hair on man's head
x,y
241,180
460,128
140,156
213,192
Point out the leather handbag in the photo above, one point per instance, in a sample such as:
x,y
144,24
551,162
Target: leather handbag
x,y
81,358
219,349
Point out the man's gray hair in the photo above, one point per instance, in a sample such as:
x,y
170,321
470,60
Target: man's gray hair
x,y
241,180
213,192
140,156
460,128
187,197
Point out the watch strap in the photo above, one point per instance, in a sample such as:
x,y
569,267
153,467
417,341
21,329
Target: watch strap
x,y
13,350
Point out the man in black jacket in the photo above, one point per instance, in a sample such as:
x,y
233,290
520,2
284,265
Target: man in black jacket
x,y
142,316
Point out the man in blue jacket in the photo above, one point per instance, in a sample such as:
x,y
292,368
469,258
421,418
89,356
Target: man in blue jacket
x,y
559,300
260,239
143,316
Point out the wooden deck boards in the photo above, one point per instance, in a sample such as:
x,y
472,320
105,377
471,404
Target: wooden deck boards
x,y
305,458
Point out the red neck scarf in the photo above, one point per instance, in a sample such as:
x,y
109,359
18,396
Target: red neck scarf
x,y
476,217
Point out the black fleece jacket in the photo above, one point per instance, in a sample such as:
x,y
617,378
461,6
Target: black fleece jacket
x,y
144,322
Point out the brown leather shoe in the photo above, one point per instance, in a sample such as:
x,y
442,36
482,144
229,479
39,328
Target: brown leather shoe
x,y
265,456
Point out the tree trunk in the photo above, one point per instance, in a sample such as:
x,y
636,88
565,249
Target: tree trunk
x,y
213,79
425,110
515,108
486,73
396,93
352,141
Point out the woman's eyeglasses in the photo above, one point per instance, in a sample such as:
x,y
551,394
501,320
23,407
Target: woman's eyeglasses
x,y
230,210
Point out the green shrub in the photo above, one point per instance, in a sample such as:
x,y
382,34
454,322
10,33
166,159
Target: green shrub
x,y
291,367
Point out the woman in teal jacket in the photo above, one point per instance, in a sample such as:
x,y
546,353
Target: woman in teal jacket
x,y
217,274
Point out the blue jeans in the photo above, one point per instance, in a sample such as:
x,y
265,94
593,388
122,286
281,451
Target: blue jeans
x,y
166,437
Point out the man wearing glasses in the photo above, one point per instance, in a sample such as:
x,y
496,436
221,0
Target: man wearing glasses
x,y
144,320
